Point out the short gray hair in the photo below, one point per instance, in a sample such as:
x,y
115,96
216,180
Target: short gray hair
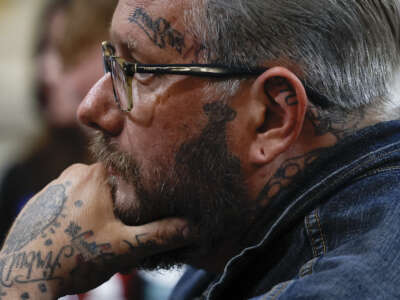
x,y
347,50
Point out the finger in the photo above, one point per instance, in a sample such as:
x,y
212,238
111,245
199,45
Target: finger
x,y
73,168
155,237
94,172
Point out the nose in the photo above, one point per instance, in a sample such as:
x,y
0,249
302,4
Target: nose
x,y
99,110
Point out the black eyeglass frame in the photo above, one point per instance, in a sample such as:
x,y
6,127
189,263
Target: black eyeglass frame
x,y
200,70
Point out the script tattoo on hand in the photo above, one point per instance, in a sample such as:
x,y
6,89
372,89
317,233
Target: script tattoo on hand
x,y
26,263
159,31
89,254
37,266
40,215
79,241
139,243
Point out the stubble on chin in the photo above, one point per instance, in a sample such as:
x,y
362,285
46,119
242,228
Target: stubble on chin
x,y
205,186
122,168
123,209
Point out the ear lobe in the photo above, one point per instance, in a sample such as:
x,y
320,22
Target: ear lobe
x,y
286,104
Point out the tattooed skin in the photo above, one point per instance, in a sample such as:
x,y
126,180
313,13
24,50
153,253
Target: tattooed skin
x,y
339,128
2,293
295,166
286,173
42,287
159,31
25,296
79,241
42,214
26,263
139,243
41,267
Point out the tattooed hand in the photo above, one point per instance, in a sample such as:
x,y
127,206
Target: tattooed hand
x,y
67,239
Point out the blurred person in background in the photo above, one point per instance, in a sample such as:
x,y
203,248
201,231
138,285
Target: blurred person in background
x,y
67,60
66,63
61,141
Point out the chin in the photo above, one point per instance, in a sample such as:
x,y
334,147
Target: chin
x,y
131,209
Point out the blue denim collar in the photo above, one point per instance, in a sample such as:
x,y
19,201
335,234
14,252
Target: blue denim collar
x,y
352,157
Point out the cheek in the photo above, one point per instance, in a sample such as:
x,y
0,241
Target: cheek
x,y
241,132
175,120
240,136
238,141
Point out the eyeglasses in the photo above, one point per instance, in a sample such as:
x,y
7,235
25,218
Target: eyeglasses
x,y
122,73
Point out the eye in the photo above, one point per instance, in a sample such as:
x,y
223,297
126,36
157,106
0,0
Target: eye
x,y
144,78
123,52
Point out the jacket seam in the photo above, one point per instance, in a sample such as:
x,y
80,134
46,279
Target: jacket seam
x,y
324,243
316,234
377,171
308,228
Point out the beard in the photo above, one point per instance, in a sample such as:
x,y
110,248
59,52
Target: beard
x,y
204,186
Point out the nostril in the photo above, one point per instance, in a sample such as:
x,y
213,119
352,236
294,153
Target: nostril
x,y
94,126
110,131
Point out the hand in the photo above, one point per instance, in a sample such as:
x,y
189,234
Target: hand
x,y
67,239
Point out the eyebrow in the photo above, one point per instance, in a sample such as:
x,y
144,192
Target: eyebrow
x,y
129,42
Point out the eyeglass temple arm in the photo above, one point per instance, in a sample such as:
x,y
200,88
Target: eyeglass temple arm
x,y
193,70
216,72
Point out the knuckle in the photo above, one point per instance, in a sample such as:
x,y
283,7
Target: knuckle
x,y
163,235
73,168
156,238
97,170
77,166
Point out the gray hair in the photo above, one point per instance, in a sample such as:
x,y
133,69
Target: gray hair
x,y
346,50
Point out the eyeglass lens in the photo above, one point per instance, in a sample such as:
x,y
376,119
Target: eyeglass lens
x,y
121,86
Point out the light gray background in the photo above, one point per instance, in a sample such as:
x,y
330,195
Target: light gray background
x,y
18,125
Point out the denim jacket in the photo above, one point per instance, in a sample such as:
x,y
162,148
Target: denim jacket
x,y
335,234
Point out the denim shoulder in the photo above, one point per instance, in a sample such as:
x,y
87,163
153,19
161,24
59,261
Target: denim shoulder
x,y
355,243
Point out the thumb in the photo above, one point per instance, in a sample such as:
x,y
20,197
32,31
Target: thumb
x,y
156,237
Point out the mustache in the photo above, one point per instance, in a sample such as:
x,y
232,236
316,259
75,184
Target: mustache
x,y
104,150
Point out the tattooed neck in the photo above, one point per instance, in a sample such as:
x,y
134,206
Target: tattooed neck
x,y
293,167
339,128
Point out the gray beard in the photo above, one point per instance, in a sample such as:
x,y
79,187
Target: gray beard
x,y
205,187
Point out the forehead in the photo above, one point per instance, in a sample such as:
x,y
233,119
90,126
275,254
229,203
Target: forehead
x,y
153,30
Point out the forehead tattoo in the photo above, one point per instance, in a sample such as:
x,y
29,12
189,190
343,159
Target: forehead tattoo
x,y
159,31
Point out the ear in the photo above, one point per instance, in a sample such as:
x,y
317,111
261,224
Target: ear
x,y
281,122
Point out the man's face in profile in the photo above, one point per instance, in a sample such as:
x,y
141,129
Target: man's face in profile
x,y
170,155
